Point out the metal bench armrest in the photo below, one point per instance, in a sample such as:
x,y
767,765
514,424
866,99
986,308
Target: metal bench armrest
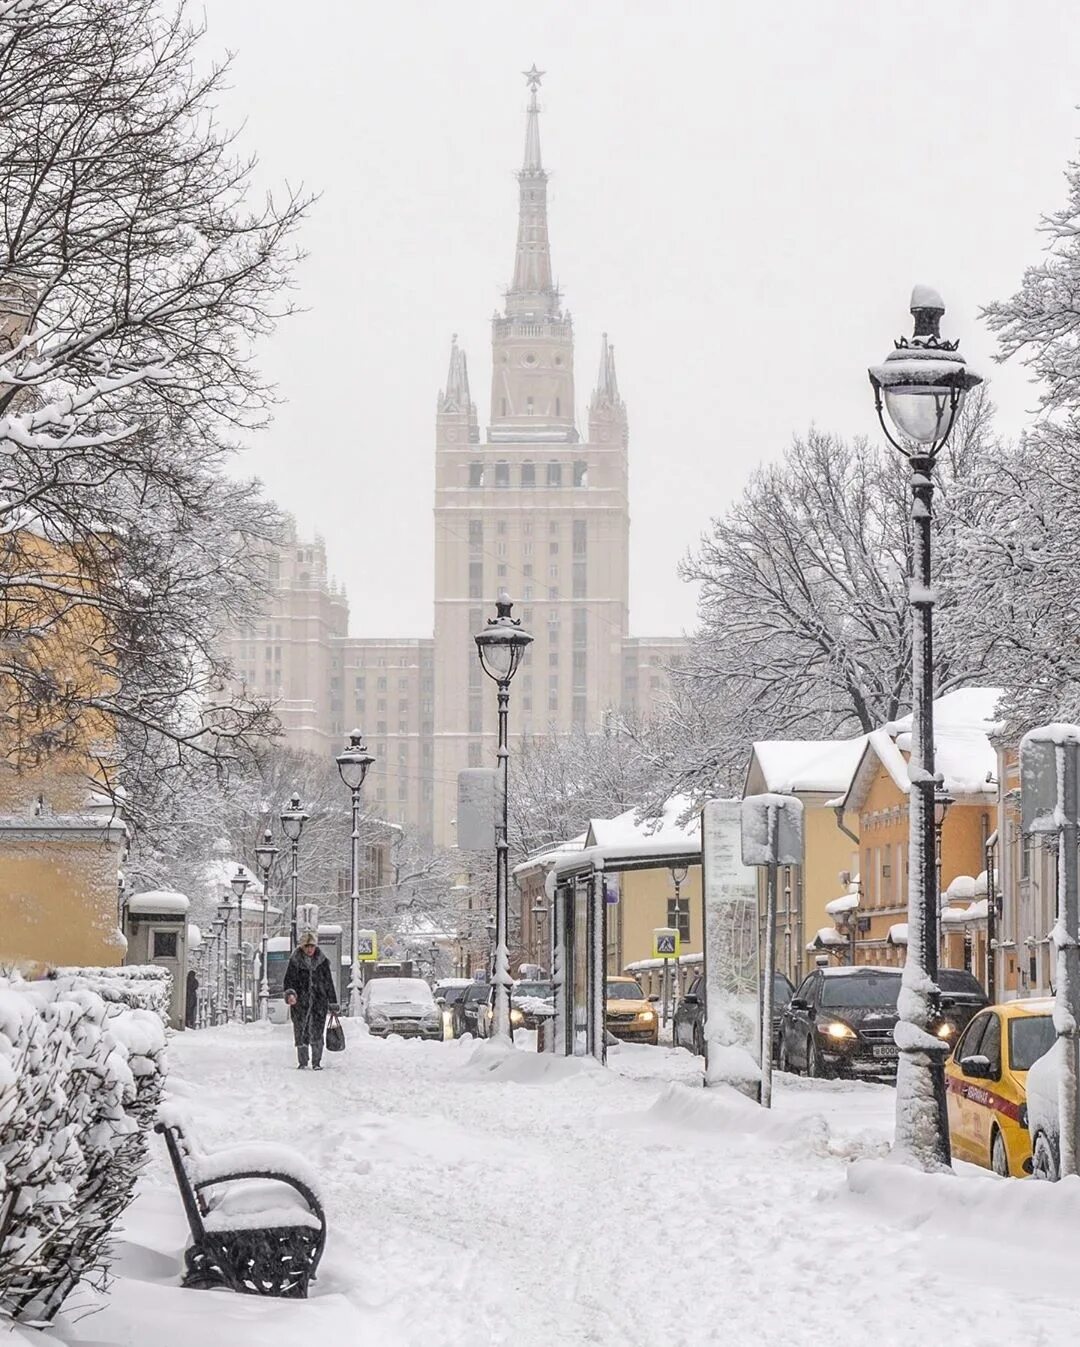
x,y
188,1194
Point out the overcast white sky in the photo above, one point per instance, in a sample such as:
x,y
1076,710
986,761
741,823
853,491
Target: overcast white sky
x,y
742,196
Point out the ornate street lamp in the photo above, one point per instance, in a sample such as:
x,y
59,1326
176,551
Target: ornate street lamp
x,y
224,913
292,825
539,916
265,854
353,764
922,384
240,885
501,646
217,925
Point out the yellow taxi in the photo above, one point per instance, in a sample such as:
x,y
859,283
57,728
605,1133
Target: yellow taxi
x,y
628,1014
986,1084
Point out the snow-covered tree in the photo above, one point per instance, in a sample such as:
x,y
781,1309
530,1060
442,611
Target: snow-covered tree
x,y
135,275
805,625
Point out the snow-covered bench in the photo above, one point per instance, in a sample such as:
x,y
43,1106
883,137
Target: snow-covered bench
x,y
257,1225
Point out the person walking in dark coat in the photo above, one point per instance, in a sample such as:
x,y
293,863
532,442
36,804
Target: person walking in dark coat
x,y
310,995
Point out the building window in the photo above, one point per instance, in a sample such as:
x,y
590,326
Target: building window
x,y
558,406
380,728
553,571
476,579
581,473
581,626
476,473
581,537
528,474
580,659
528,406
553,594
578,711
476,534
526,570
554,474
165,945
500,570
474,755
678,916
381,684
553,659
581,586
526,549
500,528
526,528
527,594
502,473
476,715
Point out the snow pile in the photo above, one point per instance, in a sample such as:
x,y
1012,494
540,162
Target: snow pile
x,y
72,1138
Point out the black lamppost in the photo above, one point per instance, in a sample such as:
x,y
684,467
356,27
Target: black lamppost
x,y
922,384
942,800
501,646
265,854
222,926
292,825
539,916
353,763
239,884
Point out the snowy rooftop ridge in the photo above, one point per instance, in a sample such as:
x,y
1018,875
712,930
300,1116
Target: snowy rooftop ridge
x,y
788,766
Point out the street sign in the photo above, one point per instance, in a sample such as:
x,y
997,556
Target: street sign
x,y
478,796
786,845
1040,786
367,946
666,943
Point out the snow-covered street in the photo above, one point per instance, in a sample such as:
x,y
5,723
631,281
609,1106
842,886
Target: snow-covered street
x,y
476,1197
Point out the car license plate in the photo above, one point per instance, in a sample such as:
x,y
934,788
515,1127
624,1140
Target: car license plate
x,y
885,1050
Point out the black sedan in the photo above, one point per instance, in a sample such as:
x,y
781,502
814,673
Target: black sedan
x,y
962,998
467,1009
688,1025
840,1022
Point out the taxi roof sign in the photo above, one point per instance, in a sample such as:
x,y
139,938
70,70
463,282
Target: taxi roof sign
x,y
667,943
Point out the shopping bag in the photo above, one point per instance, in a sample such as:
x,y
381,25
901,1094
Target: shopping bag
x,y
335,1035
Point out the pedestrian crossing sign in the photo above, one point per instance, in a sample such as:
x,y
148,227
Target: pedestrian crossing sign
x,y
666,943
367,946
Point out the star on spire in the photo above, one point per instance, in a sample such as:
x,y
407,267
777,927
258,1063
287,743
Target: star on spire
x,y
533,77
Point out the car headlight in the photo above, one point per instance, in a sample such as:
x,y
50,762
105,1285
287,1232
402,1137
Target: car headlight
x,y
646,1016
836,1029
516,1017
377,1019
433,1017
946,1030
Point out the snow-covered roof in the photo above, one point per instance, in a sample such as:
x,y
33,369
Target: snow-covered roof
x,y
627,837
964,755
158,902
550,857
828,935
961,889
898,933
645,965
791,766
221,872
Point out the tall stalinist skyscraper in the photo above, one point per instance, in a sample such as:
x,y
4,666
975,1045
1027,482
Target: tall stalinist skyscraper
x,y
532,509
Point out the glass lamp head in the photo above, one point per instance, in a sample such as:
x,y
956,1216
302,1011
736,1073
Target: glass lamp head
x,y
502,643
293,819
353,762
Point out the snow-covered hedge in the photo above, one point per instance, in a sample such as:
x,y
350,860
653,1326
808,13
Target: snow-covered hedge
x,y
80,1081
141,986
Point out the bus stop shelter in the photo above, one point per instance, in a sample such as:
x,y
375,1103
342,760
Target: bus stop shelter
x,y
578,909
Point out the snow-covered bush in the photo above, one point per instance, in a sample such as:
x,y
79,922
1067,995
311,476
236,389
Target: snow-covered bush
x,y
80,1079
137,986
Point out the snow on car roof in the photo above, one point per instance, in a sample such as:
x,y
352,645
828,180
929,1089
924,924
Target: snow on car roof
x,y
393,989
859,968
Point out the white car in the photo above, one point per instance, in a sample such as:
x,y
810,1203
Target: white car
x,y
401,1006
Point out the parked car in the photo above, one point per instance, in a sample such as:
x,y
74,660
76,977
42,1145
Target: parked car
x,y
447,993
688,1024
628,1014
466,1009
962,997
532,999
401,1006
840,1023
989,1078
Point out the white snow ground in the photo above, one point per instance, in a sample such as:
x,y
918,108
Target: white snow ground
x,y
483,1198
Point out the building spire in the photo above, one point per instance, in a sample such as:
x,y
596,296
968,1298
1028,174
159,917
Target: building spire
x,y
532,290
606,394
456,397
